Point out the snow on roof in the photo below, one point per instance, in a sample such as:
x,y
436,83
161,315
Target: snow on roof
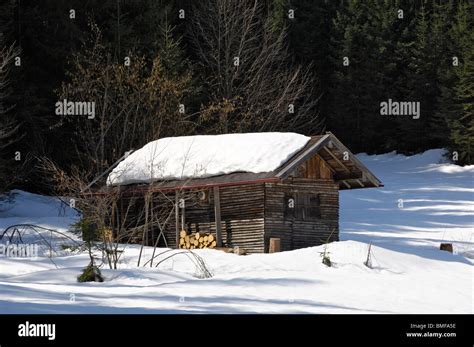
x,y
206,155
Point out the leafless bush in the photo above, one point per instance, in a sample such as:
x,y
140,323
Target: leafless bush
x,y
115,216
202,270
251,79
9,129
135,103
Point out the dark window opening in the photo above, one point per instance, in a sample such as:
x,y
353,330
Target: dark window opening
x,y
290,206
302,206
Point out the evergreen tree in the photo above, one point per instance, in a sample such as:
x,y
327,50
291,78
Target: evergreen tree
x,y
457,98
365,73
309,40
48,42
428,60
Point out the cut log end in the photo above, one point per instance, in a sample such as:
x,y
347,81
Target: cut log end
x,y
196,240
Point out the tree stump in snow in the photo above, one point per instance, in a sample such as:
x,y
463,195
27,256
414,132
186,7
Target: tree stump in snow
x,y
274,245
446,247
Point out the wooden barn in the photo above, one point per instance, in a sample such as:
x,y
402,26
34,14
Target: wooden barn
x,y
296,203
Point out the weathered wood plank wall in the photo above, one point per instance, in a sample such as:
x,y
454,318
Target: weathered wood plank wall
x,y
242,217
253,213
295,233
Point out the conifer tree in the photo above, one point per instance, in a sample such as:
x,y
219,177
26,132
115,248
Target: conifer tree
x,y
457,98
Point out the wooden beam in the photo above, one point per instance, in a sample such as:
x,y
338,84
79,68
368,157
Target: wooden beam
x,y
345,177
347,184
176,217
374,180
294,163
336,159
183,217
326,164
360,183
217,213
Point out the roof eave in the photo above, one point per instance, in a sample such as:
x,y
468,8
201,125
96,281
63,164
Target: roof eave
x,y
329,138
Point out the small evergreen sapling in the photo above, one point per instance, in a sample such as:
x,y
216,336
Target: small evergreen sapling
x,y
89,234
90,274
325,256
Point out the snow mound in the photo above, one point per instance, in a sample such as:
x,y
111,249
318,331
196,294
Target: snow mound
x,y
425,201
206,155
18,203
19,209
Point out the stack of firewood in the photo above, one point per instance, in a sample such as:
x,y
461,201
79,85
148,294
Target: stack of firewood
x,y
196,240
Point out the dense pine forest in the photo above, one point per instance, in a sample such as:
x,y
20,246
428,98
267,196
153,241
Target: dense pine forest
x,y
175,67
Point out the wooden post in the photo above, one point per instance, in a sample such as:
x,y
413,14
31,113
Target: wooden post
x,y
183,219
217,213
176,217
274,245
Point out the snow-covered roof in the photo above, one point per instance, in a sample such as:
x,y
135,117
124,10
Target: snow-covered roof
x,y
206,155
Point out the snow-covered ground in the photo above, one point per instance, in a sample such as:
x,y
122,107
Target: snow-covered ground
x,y
409,274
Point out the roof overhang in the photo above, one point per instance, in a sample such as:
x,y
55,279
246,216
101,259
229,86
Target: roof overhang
x,y
348,171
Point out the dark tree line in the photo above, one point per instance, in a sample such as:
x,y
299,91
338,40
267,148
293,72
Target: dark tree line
x,y
422,54
230,66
